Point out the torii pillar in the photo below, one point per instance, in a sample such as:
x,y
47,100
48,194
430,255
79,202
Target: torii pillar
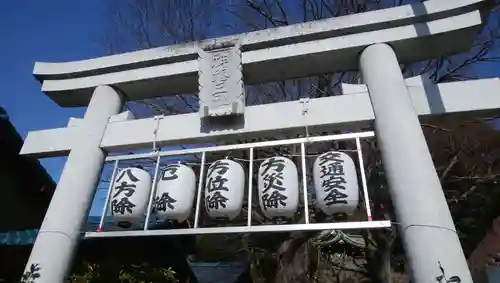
x,y
61,230
302,50
424,220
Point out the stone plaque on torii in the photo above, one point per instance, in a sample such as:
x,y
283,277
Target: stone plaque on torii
x,y
374,43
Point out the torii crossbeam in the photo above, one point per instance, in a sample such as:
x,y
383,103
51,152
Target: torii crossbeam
x,y
374,43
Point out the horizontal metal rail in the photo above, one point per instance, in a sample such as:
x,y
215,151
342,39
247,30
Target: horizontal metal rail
x,y
245,229
243,146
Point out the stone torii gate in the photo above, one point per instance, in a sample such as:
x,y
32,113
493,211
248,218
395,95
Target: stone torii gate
x,y
374,42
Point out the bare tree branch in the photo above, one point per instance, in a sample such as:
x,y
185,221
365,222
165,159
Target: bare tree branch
x,y
465,154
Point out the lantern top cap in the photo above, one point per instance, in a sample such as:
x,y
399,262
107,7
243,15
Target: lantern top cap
x,y
172,69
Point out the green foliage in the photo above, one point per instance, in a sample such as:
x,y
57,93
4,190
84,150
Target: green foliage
x,y
142,273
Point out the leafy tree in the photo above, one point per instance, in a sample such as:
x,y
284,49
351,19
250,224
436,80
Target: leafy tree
x,y
464,152
94,273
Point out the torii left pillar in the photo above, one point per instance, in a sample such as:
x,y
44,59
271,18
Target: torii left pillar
x,y
57,241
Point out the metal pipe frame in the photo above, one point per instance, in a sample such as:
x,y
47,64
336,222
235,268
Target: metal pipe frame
x,y
250,186
108,196
153,192
363,179
304,181
249,228
200,188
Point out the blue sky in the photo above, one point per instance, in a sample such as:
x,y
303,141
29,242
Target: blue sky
x,y
51,31
56,31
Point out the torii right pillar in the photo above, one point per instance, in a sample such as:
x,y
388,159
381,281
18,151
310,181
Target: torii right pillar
x,y
424,219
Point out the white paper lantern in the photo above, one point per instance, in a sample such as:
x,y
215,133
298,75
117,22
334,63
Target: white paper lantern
x,y
129,197
175,192
224,189
336,183
278,187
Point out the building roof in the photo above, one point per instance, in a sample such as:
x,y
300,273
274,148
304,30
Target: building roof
x,y
25,183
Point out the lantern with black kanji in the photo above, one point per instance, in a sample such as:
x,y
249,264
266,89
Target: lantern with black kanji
x,y
278,187
175,193
336,183
129,197
224,189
